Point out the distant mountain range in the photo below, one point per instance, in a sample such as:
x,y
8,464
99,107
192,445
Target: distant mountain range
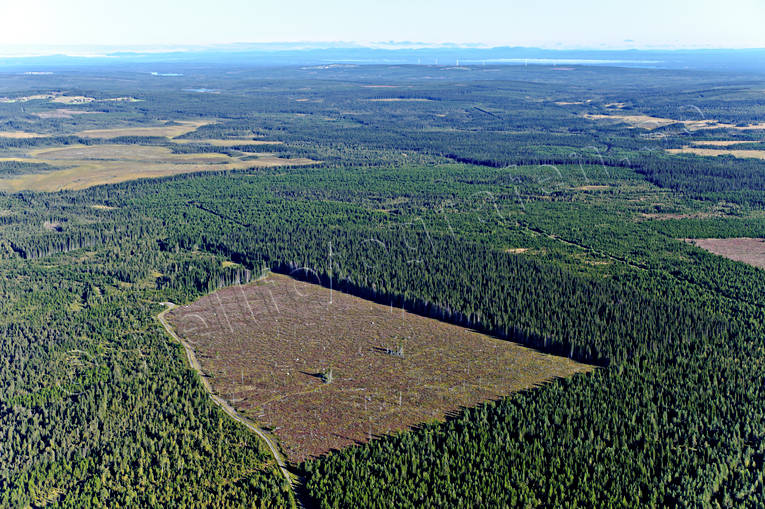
x,y
272,54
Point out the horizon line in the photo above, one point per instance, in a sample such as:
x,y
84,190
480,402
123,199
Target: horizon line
x,y
64,50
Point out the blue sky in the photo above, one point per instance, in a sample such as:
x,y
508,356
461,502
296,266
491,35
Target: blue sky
x,y
543,23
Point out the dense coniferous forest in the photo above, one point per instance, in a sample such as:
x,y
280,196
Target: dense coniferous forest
x,y
491,197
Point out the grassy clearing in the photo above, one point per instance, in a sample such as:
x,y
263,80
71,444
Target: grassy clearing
x,y
94,173
27,98
59,98
269,349
84,166
169,131
72,99
22,134
142,153
64,113
649,122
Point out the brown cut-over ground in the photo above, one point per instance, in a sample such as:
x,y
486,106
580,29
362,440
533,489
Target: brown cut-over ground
x,y
713,152
266,345
743,249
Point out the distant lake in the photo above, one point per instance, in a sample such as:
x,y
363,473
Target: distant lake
x,y
564,61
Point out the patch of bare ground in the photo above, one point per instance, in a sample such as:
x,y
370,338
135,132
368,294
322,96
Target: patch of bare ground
x,y
747,250
324,370
52,226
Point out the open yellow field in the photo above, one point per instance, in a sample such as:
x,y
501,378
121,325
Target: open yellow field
x,y
81,166
94,173
104,172
755,154
90,165
169,131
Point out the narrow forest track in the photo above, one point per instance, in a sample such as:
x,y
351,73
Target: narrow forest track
x,y
230,411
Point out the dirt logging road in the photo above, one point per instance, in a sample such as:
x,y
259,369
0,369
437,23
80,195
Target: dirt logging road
x,y
228,409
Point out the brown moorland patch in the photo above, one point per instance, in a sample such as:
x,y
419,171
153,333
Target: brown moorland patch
x,y
269,348
743,249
